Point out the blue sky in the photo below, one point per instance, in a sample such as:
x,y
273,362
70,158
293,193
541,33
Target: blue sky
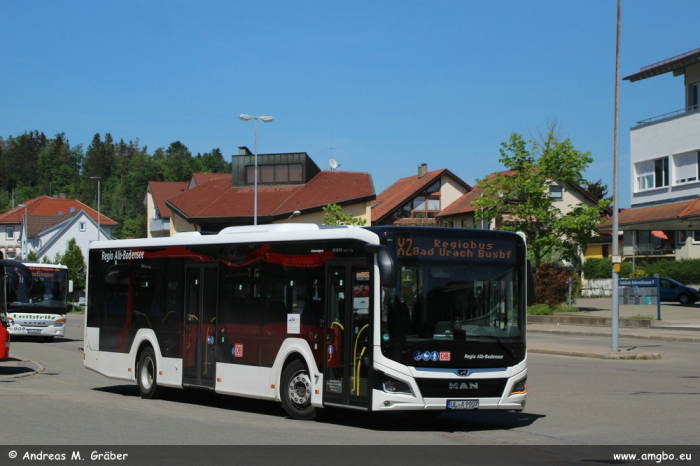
x,y
381,86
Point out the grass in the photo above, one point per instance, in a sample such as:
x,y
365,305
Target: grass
x,y
641,317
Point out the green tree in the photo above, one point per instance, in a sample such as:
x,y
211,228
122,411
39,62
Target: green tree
x,y
520,197
178,162
75,261
332,216
597,188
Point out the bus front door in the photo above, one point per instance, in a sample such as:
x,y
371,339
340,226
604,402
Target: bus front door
x,y
348,336
199,358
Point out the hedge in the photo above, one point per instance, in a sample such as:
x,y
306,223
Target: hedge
x,y
685,271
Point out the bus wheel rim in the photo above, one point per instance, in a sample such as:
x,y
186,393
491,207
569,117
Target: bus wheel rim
x,y
147,373
300,389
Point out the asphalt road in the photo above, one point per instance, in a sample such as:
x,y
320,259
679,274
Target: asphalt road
x,y
571,401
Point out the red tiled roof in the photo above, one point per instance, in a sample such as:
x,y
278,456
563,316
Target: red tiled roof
x,y
217,198
398,193
464,205
164,190
201,178
330,187
49,206
655,213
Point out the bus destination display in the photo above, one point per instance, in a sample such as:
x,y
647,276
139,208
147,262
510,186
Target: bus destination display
x,y
453,248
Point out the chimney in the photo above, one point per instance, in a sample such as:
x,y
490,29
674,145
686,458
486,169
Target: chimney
x,y
422,170
243,150
61,197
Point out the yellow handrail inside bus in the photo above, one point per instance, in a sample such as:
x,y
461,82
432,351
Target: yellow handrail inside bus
x,y
354,357
145,316
330,356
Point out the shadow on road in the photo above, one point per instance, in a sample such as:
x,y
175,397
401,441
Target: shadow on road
x,y
451,422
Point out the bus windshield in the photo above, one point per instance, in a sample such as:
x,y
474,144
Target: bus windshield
x,y
450,301
46,294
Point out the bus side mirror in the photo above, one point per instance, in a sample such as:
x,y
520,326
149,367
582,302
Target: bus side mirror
x,y
387,268
70,286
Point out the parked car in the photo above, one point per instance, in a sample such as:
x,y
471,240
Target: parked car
x,y
672,290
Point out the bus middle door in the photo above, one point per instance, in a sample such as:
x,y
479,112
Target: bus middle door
x,y
348,335
200,343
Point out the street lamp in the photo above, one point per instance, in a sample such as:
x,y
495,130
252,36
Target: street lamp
x,y
25,231
265,119
99,180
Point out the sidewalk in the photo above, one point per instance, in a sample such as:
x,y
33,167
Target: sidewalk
x,y
678,323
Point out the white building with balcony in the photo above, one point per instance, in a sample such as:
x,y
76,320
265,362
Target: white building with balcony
x,y
664,170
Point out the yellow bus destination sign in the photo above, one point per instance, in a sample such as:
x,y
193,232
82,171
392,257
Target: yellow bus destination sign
x,y
453,248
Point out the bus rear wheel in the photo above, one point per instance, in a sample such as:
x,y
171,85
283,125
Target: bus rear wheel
x,y
146,375
295,391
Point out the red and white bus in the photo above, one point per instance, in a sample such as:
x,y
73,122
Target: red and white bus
x,y
375,319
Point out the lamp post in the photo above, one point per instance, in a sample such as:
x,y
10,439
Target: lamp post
x,y
25,231
99,180
265,119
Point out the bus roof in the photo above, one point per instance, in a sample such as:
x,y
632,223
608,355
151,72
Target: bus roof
x,y
249,234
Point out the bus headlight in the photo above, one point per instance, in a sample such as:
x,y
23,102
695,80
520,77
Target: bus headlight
x,y
391,385
519,387
59,322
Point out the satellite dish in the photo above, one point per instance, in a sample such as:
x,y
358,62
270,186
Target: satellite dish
x,y
333,164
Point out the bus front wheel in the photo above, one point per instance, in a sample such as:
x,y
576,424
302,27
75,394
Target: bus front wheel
x,y
146,375
296,391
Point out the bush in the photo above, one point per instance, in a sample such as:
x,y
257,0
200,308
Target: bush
x,y
540,310
551,285
685,271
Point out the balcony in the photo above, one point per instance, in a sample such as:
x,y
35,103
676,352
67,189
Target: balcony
x,y
159,226
669,115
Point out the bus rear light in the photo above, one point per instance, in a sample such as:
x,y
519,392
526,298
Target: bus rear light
x,y
520,387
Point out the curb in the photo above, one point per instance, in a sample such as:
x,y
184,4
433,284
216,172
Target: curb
x,y
35,368
670,338
615,356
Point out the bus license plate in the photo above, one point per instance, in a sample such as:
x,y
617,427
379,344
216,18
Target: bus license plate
x,y
33,331
463,404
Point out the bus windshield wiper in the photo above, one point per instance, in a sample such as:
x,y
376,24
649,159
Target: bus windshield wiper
x,y
500,342
416,346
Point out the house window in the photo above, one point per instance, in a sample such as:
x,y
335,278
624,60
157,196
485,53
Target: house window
x,y
555,191
684,235
661,172
295,172
280,173
652,174
10,232
81,225
267,173
655,242
11,255
686,169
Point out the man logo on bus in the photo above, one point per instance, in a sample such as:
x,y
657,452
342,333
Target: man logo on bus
x,y
464,386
